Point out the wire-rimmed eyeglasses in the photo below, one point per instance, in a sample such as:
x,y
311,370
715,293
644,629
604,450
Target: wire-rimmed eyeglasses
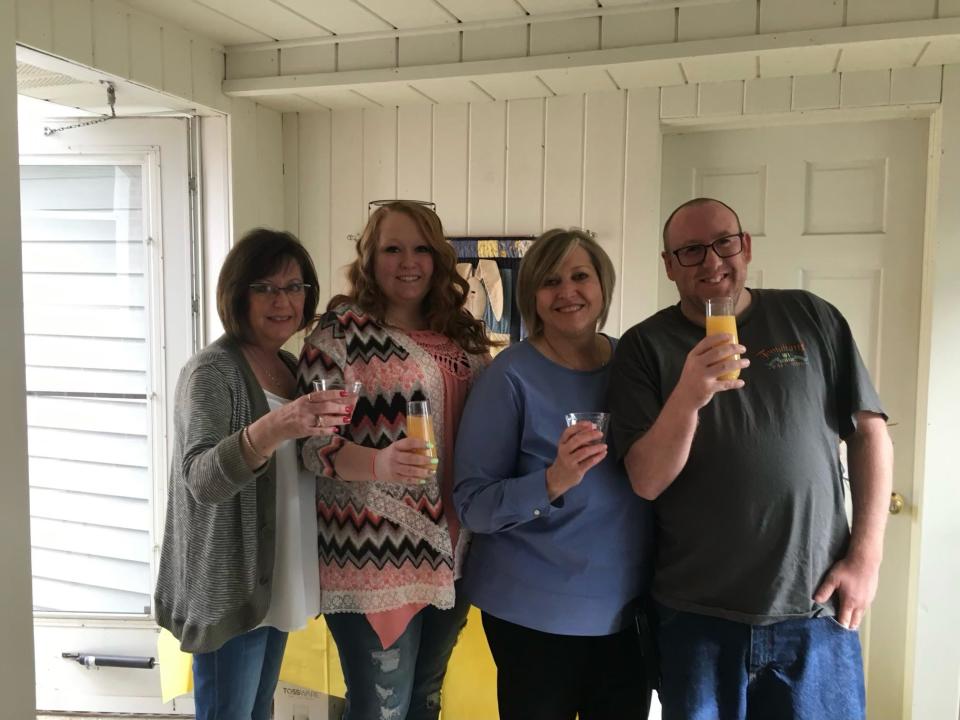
x,y
265,289
724,247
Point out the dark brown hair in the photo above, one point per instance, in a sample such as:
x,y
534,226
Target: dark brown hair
x,y
443,306
258,254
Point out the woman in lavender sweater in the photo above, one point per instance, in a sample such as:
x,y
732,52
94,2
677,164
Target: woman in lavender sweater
x,y
561,544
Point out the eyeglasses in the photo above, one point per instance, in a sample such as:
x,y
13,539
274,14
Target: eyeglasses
x,y
294,289
727,246
377,204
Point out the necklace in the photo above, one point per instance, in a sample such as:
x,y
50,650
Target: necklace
x,y
277,380
406,327
594,361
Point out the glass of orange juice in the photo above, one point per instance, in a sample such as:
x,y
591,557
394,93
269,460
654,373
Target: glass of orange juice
x,y
722,319
420,426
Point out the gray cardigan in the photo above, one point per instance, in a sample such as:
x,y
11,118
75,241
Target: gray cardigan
x,y
216,562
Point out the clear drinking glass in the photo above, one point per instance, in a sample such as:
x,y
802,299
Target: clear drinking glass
x,y
722,319
351,387
420,426
600,420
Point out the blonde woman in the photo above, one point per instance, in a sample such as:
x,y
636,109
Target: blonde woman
x,y
561,545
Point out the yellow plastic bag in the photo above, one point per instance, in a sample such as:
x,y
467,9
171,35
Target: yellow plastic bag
x,y
311,661
176,667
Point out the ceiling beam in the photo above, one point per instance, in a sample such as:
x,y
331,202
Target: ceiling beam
x,y
320,40
679,51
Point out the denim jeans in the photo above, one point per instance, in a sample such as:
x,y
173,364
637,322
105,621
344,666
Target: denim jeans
x,y
803,669
237,681
403,681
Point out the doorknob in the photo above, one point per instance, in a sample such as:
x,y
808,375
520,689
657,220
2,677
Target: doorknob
x,y
896,503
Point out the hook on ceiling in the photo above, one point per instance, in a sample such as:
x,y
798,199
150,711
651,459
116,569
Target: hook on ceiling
x,y
111,102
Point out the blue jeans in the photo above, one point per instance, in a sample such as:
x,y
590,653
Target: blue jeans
x,y
237,681
713,669
403,681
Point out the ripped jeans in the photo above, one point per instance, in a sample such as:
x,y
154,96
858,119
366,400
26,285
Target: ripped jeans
x,y
403,681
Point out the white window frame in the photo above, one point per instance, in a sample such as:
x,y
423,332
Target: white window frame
x,y
172,318
148,158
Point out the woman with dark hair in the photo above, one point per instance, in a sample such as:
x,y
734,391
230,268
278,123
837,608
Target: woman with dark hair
x,y
389,541
238,566
561,548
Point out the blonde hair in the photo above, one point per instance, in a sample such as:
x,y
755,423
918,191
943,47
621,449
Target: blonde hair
x,y
444,305
545,256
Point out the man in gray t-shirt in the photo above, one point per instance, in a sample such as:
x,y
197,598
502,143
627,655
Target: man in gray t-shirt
x,y
760,583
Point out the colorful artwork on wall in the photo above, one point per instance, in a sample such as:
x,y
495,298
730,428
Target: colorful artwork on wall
x,y
490,266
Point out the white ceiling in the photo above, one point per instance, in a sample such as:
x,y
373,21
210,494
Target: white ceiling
x,y
253,24
234,22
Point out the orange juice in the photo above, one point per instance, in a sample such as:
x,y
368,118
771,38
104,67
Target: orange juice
x,y
724,324
421,428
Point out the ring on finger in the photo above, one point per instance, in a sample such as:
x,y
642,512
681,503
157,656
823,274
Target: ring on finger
x,y
319,421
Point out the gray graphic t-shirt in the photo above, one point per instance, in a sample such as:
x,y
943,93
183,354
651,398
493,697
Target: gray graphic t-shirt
x,y
754,521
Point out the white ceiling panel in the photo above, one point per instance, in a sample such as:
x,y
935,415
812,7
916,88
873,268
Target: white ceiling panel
x,y
513,86
39,110
290,103
202,20
718,69
273,19
468,10
451,90
539,7
577,80
647,74
390,94
880,55
943,51
798,61
91,97
645,4
337,16
338,99
410,13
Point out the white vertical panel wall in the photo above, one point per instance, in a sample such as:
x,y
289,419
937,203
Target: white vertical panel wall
x,y
514,167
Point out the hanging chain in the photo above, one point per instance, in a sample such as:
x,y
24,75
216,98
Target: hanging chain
x,y
111,101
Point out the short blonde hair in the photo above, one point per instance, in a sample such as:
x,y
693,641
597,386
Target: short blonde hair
x,y
542,259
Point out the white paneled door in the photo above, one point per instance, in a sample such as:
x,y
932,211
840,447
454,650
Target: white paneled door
x,y
837,209
108,323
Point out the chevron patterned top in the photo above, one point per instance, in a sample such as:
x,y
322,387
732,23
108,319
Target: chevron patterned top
x,y
382,544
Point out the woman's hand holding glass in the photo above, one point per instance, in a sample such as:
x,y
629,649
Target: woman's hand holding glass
x,y
314,414
581,447
405,461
